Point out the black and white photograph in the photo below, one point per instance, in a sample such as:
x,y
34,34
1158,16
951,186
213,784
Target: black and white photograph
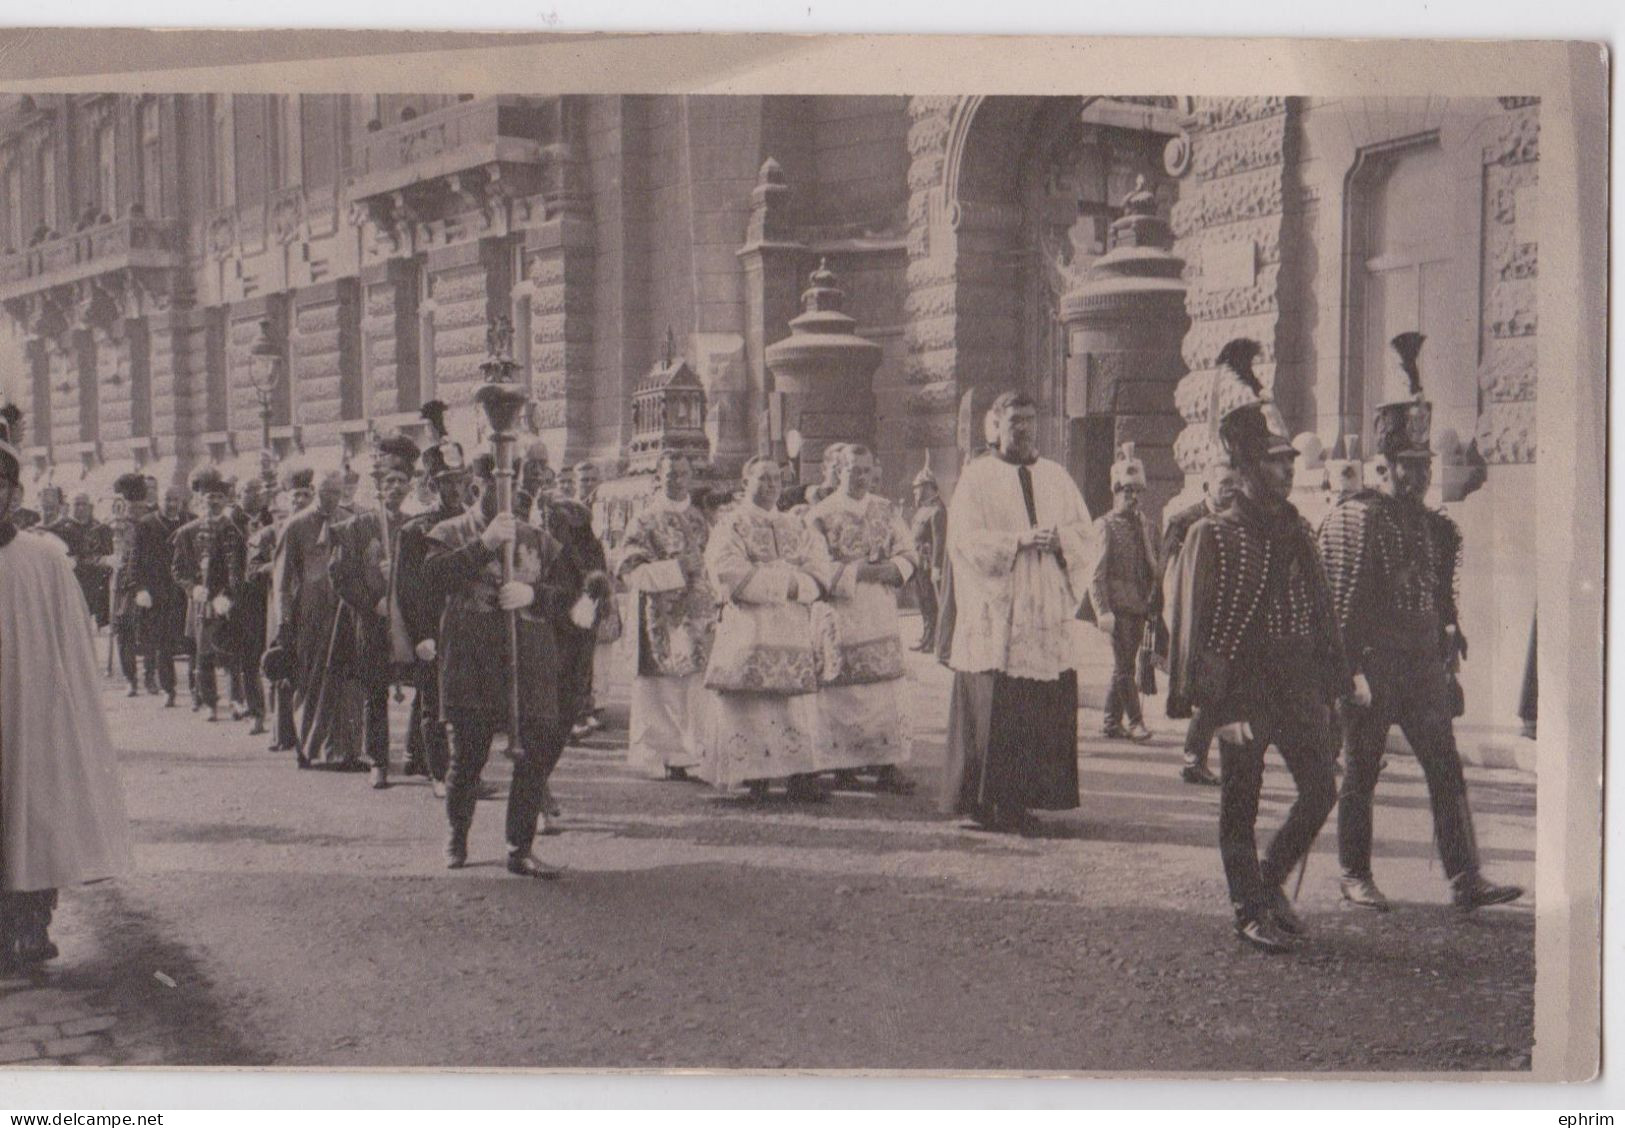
x,y
619,579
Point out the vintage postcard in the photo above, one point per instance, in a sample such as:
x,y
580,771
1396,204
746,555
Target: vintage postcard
x,y
768,553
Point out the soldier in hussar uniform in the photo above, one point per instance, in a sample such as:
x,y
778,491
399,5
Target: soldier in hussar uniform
x,y
426,750
1256,648
362,568
929,527
210,554
1393,564
1220,483
1125,591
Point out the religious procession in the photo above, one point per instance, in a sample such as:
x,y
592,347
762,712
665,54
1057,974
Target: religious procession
x,y
767,648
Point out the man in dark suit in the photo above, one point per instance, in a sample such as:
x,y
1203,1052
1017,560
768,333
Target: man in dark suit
x,y
160,599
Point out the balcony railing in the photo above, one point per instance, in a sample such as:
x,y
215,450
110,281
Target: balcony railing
x,y
499,130
134,242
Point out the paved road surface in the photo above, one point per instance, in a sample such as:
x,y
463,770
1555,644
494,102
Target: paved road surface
x,y
301,919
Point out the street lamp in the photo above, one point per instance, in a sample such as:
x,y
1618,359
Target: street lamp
x,y
265,373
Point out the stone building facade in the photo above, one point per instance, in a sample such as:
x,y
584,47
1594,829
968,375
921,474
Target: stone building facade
x,y
1097,251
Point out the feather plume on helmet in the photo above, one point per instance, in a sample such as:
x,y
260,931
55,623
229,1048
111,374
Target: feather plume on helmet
x,y
445,454
1403,427
1243,423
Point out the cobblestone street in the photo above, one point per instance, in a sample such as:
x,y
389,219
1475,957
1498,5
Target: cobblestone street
x,y
301,919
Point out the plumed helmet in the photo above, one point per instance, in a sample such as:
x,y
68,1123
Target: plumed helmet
x,y
1403,427
207,480
1246,431
130,486
397,453
1127,469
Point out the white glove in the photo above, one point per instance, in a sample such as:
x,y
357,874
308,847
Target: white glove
x,y
584,613
143,599
1239,732
1362,692
222,605
425,650
200,594
1107,621
499,532
515,594
383,607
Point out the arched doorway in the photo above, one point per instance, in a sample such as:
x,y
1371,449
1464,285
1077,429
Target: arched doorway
x,y
1032,188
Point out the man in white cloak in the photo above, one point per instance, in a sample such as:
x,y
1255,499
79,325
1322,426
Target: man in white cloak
x,y
860,676
1019,542
767,568
62,819
662,559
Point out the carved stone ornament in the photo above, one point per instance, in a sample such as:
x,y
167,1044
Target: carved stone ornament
x,y
288,215
220,233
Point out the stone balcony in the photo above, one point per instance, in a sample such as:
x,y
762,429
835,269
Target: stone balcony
x,y
472,155
134,245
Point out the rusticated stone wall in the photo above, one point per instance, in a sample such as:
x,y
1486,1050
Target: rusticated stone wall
x,y
931,306
1511,257
1227,227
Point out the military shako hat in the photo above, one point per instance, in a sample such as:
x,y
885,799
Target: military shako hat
x,y
1403,428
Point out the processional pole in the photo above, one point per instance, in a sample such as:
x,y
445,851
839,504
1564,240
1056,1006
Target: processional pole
x,y
502,399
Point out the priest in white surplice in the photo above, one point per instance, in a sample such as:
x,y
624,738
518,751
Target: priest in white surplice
x,y
662,559
1020,546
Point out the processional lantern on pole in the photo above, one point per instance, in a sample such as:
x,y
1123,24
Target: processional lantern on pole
x,y
265,373
501,399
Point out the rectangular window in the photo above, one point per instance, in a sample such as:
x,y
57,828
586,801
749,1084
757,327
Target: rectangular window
x,y
85,357
47,187
352,375
222,184
107,168
410,364
152,159
16,236
140,377
40,429
251,155
290,141
319,122
216,390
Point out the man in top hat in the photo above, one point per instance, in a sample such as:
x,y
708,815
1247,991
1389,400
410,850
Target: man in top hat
x,y
1220,484
1124,591
130,509
929,528
62,818
209,562
1255,647
1392,564
1020,543
378,648
427,752
161,600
